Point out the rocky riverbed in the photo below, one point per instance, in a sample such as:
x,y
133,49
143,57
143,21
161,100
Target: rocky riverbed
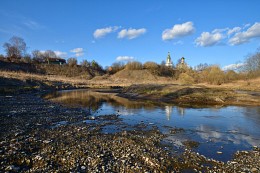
x,y
37,135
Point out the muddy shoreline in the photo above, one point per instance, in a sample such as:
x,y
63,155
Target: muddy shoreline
x,y
197,96
37,135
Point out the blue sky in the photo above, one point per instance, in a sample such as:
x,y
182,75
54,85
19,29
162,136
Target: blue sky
x,y
219,32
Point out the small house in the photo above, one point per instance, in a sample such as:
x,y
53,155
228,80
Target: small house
x,y
58,61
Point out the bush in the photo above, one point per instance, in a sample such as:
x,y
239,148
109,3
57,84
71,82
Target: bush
x,y
194,74
27,59
231,75
72,62
150,65
2,57
215,76
134,66
85,63
166,71
96,66
116,67
186,79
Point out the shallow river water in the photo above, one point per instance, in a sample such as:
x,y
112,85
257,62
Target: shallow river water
x,y
220,131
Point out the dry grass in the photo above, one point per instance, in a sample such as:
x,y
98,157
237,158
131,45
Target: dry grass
x,y
250,85
126,78
43,78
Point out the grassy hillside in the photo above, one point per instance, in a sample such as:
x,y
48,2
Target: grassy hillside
x,y
51,69
127,77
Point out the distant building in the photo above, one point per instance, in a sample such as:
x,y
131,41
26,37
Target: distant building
x,y
169,61
182,64
59,61
182,60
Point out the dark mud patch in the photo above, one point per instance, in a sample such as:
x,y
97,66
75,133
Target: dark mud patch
x,y
176,130
191,144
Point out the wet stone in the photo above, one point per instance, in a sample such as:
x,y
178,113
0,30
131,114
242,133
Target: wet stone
x,y
82,147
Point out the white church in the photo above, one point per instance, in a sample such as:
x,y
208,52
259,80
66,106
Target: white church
x,y
169,61
170,64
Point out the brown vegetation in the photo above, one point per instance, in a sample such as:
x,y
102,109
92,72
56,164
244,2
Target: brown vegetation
x,y
40,62
191,95
134,66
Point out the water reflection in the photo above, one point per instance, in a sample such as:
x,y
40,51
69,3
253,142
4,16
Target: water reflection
x,y
168,110
181,111
234,128
93,100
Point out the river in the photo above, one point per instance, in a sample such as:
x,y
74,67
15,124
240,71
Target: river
x,y
219,131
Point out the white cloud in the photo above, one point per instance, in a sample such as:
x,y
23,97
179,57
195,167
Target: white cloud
x,y
246,25
99,33
233,66
78,51
233,30
220,30
60,54
131,33
125,58
246,36
178,30
208,39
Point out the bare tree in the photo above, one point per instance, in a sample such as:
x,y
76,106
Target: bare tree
x,y
37,56
201,67
115,67
2,57
16,47
49,54
135,65
27,58
252,63
85,63
72,62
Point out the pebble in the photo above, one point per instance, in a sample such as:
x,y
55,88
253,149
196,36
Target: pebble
x,y
254,170
83,147
46,141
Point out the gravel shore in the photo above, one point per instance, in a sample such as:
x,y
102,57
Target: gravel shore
x,y
37,135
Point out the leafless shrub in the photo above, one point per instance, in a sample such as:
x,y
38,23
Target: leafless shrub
x,y
231,75
135,65
186,79
215,75
150,65
72,62
116,67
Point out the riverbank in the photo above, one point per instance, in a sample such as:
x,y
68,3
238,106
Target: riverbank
x,y
191,95
39,135
244,93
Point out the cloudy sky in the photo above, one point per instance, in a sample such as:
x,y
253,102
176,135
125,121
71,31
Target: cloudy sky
x,y
215,32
